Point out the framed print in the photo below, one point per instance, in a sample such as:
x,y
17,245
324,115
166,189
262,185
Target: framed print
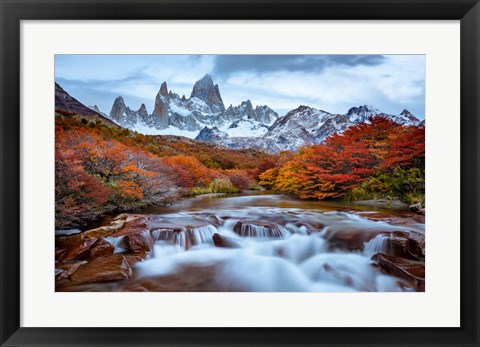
x,y
218,173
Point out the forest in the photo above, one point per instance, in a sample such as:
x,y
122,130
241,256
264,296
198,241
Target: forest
x,y
101,170
379,159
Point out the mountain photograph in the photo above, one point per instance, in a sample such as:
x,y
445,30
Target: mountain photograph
x,y
239,173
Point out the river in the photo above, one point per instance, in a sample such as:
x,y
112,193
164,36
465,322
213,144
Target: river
x,y
264,242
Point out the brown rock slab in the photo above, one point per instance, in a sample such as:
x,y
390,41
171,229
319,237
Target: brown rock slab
x,y
133,258
225,242
404,244
413,272
104,269
63,271
79,251
351,239
140,241
69,241
121,225
101,248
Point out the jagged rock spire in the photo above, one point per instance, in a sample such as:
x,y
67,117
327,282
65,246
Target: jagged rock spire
x,y
160,113
205,90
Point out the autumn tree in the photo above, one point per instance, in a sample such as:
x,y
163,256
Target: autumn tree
x,y
344,161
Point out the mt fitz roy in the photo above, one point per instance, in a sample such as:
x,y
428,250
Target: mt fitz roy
x,y
204,116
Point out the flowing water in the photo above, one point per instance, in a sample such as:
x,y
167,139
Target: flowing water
x,y
266,242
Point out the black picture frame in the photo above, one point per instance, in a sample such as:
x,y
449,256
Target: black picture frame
x,y
14,11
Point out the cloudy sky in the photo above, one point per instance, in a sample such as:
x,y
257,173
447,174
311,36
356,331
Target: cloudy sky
x,y
333,83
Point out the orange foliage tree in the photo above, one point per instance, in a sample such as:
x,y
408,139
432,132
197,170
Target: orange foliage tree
x,y
188,172
345,160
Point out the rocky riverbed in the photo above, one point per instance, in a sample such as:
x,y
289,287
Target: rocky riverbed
x,y
253,242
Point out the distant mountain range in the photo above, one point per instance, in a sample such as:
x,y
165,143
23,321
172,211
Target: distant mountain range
x,y
203,116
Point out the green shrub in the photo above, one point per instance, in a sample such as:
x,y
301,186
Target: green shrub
x,y
407,185
218,185
222,185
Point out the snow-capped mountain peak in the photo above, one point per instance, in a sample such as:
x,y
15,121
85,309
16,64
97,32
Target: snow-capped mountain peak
x,y
205,90
407,117
361,114
203,116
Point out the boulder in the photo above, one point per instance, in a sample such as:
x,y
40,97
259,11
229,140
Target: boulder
x,y
121,225
63,271
416,207
225,242
64,242
80,251
352,239
412,272
404,244
141,241
104,269
134,258
101,248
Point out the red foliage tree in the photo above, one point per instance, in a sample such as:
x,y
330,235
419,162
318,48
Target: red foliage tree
x,y
188,171
346,160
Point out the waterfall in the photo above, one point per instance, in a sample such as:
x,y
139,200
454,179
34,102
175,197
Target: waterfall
x,y
265,248
118,242
187,237
261,231
379,244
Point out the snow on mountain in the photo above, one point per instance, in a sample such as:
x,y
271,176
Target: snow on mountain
x,y
211,135
361,114
205,90
335,124
405,117
306,126
204,117
177,115
96,109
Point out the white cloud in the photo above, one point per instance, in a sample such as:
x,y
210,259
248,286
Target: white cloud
x,y
394,83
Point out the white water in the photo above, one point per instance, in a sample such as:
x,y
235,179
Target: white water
x,y
278,248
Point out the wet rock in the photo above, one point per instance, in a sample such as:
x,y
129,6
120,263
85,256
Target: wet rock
x,y
225,242
405,219
80,251
132,259
405,244
121,225
352,239
104,269
214,220
64,242
101,248
259,229
63,271
417,208
139,241
311,227
188,278
409,245
413,272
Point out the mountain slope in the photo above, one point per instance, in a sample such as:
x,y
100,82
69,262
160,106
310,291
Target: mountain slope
x,y
67,105
173,114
